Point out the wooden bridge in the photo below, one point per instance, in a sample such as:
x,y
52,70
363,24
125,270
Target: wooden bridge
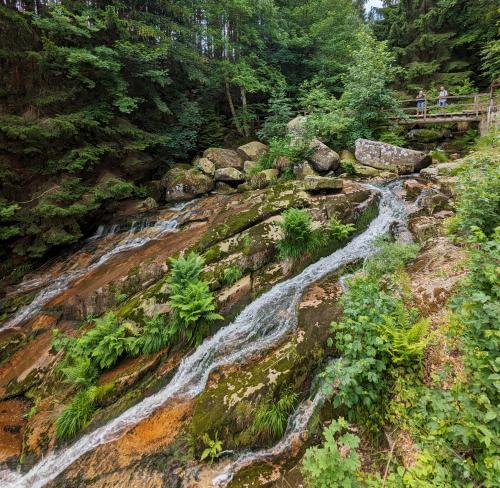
x,y
477,107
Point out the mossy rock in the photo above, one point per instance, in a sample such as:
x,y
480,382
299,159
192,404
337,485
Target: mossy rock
x,y
251,209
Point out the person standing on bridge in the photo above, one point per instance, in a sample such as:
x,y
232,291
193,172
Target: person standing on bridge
x,y
443,97
420,103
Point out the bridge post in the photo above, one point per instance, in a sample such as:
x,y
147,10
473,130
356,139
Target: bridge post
x,y
476,104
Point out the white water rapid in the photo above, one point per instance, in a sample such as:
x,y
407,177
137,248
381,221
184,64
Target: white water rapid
x,y
57,285
260,325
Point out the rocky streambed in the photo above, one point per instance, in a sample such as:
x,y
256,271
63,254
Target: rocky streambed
x,y
148,430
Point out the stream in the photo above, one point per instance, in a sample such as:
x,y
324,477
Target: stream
x,y
261,325
138,235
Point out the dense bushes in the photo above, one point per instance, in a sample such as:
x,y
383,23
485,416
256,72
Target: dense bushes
x,y
377,334
336,463
452,417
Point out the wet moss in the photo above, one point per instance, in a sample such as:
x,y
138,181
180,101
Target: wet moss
x,y
257,475
9,305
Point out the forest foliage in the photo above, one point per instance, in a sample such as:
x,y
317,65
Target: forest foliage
x,y
99,97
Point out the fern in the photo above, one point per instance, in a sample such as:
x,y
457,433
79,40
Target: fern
x,y
298,237
79,371
405,344
156,335
185,269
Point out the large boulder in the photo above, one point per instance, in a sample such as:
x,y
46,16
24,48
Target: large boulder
x,y
297,126
300,171
252,151
183,183
206,166
249,166
321,183
323,158
388,157
229,175
223,158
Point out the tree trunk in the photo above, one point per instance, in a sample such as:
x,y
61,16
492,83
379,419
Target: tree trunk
x,y
244,105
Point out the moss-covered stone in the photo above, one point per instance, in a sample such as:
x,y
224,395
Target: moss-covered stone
x,y
251,209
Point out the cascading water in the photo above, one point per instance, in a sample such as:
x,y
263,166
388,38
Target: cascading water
x,y
259,326
297,424
62,282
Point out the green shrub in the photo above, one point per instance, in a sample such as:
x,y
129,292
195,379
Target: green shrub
x,y
478,195
78,413
372,338
293,152
406,342
339,230
439,155
111,348
231,275
390,257
213,447
155,336
271,418
185,269
192,304
298,237
191,301
348,167
79,371
394,137
336,463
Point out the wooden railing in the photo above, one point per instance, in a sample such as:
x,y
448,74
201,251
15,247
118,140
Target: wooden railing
x,y
473,106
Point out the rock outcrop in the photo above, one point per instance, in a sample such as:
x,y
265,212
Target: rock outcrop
x,y
252,151
297,126
231,175
323,158
300,171
206,166
391,158
223,158
183,183
320,183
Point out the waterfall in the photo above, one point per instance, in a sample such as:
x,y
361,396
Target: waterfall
x,y
62,282
263,323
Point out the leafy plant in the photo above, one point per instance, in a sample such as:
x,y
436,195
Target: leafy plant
x,y
439,155
231,275
155,336
478,195
191,301
339,230
406,344
213,447
298,237
271,418
390,257
394,137
185,269
336,463
78,413
348,167
79,370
